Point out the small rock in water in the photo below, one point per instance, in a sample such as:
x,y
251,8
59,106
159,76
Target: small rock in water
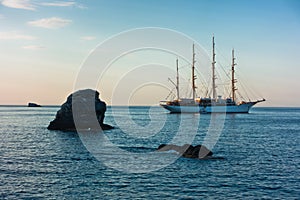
x,y
88,108
33,105
187,150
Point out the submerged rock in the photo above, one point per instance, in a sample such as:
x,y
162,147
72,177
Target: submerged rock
x,y
187,150
83,106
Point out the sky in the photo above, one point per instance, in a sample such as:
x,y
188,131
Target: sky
x,y
44,44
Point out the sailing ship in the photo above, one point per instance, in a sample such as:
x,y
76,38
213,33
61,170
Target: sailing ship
x,y
214,104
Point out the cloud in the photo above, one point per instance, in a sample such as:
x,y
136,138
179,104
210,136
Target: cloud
x,y
88,38
15,36
59,4
33,47
31,5
81,6
2,16
19,4
50,23
63,4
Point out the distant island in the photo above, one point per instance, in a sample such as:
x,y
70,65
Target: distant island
x,y
33,105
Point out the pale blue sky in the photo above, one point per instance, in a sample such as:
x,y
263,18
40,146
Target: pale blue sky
x,y
43,43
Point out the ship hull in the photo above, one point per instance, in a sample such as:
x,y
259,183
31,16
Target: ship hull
x,y
242,108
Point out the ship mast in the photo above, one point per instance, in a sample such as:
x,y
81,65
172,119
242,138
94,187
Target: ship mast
x,y
213,71
233,80
177,80
193,74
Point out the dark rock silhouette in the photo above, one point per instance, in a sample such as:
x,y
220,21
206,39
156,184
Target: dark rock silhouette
x,y
33,105
187,151
83,106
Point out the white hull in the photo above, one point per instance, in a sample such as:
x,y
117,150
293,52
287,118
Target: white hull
x,y
242,108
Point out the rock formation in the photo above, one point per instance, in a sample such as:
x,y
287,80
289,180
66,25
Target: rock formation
x,y
83,106
33,105
188,151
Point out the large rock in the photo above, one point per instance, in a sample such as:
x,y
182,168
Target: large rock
x,y
83,106
188,151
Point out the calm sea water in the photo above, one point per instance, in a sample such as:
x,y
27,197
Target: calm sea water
x,y
261,154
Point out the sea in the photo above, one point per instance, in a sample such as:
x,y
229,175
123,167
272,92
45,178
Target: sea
x,y
256,155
